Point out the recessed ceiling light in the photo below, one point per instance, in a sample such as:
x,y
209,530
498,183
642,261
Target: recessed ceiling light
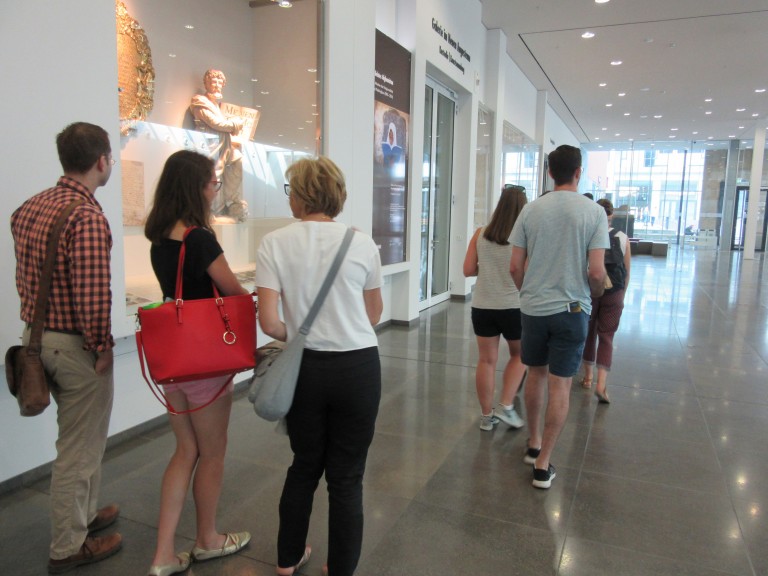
x,y
644,116
189,27
674,129
588,34
710,137
708,112
657,116
616,62
741,127
314,105
254,79
626,113
740,109
308,121
617,134
265,92
759,90
672,136
694,133
648,40
301,127
608,105
597,138
707,99
602,84
311,69
601,1
755,115
315,114
285,3
645,89
603,129
732,136
172,55
622,94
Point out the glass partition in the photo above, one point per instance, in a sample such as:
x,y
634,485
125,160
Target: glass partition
x,y
221,81
520,161
483,175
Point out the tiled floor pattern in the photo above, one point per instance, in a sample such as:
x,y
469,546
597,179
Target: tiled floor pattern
x,y
670,479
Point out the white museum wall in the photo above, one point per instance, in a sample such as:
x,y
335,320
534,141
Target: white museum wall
x,y
519,99
52,89
556,131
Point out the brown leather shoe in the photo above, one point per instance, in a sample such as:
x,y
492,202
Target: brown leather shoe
x,y
94,548
104,517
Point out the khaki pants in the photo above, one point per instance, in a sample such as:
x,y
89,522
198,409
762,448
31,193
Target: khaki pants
x,y
84,406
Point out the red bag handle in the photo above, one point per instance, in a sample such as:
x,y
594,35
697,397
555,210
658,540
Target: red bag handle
x,y
180,268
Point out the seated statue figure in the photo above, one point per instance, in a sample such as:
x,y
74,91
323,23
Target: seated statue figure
x,y
229,203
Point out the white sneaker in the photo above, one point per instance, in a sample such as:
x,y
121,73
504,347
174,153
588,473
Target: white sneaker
x,y
509,417
488,422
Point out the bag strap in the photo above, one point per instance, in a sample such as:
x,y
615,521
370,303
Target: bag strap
x,y
155,388
180,268
326,287
46,276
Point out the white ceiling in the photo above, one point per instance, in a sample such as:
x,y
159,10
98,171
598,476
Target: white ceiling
x,y
675,54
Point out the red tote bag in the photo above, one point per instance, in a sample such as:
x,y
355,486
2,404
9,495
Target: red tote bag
x,y
189,340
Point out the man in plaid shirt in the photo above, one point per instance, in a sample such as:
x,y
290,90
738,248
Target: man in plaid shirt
x,y
77,341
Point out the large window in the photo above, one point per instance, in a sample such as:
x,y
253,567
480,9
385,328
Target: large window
x,y
660,190
520,161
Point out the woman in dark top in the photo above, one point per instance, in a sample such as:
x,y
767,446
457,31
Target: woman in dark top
x,y
183,199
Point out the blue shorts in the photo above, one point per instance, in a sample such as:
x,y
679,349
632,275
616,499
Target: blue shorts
x,y
490,323
556,340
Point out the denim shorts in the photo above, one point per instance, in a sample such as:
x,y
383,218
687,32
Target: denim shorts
x,y
489,323
556,340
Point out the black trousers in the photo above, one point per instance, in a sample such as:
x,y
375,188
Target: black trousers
x,y
330,427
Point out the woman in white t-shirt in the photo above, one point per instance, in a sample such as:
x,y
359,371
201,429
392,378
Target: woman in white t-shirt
x,y
496,310
331,422
606,313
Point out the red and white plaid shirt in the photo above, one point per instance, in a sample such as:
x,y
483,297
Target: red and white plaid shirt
x,y
80,299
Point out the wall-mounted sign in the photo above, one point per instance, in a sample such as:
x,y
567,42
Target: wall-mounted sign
x,y
454,46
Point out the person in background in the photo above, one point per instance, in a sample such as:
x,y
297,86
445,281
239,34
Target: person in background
x,y
332,419
557,262
496,309
183,197
77,342
606,310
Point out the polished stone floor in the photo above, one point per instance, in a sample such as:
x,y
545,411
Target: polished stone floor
x,y
670,479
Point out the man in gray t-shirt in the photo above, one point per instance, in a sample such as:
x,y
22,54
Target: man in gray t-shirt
x,y
559,243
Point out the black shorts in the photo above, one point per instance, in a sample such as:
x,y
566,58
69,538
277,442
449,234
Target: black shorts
x,y
490,323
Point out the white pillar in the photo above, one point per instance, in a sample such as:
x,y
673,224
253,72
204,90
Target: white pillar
x,y
755,179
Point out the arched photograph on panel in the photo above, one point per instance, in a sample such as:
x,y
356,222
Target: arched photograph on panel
x,y
390,135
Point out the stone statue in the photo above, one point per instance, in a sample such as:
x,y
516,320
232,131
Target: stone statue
x,y
229,203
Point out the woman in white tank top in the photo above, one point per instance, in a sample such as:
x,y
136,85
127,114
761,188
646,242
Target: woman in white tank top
x,y
496,310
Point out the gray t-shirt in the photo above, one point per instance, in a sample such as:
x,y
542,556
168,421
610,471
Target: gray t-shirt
x,y
557,230
494,289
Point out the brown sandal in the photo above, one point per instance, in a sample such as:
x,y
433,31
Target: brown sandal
x,y
586,384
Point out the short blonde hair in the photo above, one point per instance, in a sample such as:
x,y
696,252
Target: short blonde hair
x,y
318,184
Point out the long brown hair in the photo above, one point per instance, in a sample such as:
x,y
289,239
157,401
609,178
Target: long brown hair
x,y
180,195
505,215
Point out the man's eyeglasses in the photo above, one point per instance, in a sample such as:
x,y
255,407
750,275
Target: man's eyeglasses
x,y
287,188
216,184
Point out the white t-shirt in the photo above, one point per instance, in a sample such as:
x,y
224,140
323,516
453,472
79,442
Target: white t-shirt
x,y
294,261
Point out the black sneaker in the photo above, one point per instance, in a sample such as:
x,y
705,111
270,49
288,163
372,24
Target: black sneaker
x,y
530,454
543,478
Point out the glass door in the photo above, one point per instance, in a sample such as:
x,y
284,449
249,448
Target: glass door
x,y
436,195
740,219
